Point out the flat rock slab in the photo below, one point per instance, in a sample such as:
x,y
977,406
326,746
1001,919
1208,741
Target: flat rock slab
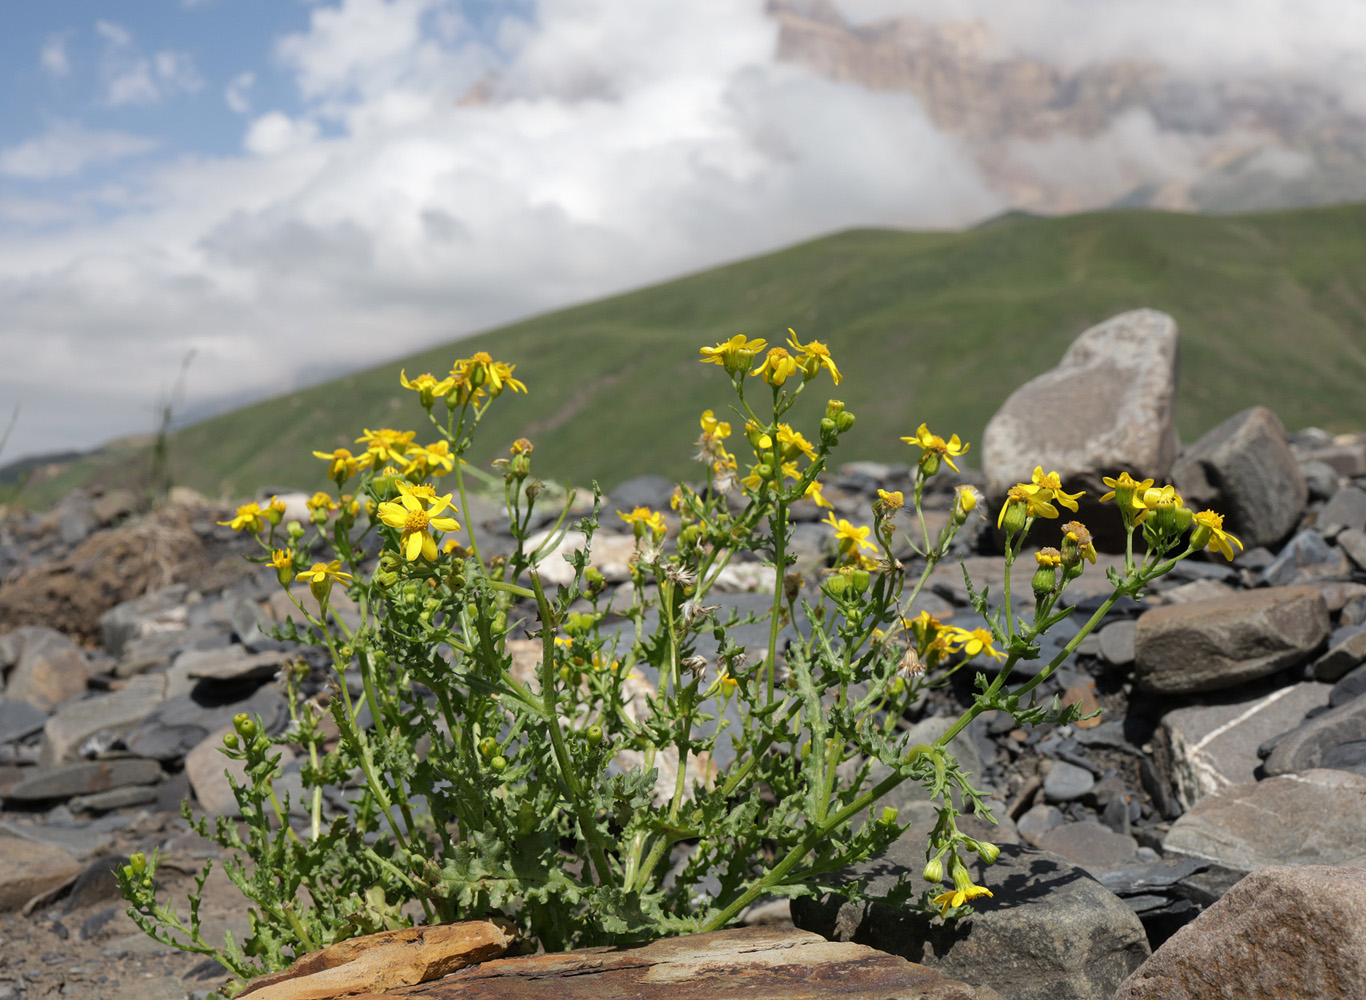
x,y
27,869
85,779
1221,643
1277,934
1308,746
1318,817
753,963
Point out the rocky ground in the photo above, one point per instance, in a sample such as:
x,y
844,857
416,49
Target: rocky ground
x,y
1231,736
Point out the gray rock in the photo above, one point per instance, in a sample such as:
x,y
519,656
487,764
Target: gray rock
x,y
19,719
1311,818
176,726
1195,590
1037,821
228,663
1105,408
1353,543
115,798
1214,746
50,668
1210,645
1347,757
1321,478
1117,643
160,611
640,491
1306,557
158,649
28,869
1347,509
1304,747
1281,932
1049,932
249,620
1351,686
85,778
1090,846
1066,782
1341,657
209,769
116,713
1244,469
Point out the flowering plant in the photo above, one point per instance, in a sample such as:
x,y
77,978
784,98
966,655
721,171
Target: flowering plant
x,y
615,785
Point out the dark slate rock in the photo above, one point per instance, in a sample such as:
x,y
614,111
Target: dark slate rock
x,y
1347,509
96,884
1157,893
1321,478
19,719
115,798
1347,757
1091,846
1304,748
1245,470
1117,643
1353,543
85,778
179,724
1306,557
640,491
1066,782
159,610
1351,686
1341,658
1049,931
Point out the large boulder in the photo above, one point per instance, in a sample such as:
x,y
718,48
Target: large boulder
x,y
1105,409
1048,932
1279,933
1227,641
1245,470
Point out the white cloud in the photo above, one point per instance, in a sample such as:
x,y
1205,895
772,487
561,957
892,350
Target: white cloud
x,y
129,77
67,148
53,56
275,132
237,94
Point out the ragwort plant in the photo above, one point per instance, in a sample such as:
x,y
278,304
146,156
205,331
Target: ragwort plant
x,y
584,799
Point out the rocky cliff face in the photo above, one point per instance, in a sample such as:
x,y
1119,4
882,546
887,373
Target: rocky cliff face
x,y
1120,132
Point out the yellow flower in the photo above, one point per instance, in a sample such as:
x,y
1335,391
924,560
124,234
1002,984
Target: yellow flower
x,y
433,460
1052,482
813,492
889,502
1209,532
979,640
713,427
851,540
813,357
957,897
343,464
472,377
1048,556
249,517
791,443
385,445
1155,498
1033,500
735,354
321,501
283,561
408,515
644,519
933,448
778,366
1075,534
1126,492
321,577
426,386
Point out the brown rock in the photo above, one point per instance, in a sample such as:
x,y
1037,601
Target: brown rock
x,y
51,668
377,962
208,770
1279,933
27,869
757,963
1220,643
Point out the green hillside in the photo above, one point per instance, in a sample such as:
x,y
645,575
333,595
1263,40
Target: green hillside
x,y
926,326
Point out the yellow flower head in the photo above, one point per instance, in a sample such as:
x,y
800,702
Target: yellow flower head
x,y
851,540
385,445
283,561
1076,538
321,501
1029,500
778,366
417,513
979,640
812,357
644,519
1049,557
472,377
957,897
813,492
791,443
713,427
733,355
321,577
1127,493
889,502
342,465
1209,533
966,499
249,517
933,448
426,386
1052,482
434,460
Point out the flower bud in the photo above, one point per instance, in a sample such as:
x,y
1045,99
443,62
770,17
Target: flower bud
x,y
593,735
844,421
231,741
594,581
498,765
1013,517
860,579
244,725
829,429
487,747
295,530
836,587
934,871
988,852
888,817
834,408
137,862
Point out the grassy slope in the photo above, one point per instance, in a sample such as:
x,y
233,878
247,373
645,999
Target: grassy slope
x,y
926,326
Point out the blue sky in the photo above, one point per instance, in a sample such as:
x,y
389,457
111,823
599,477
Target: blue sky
x,y
289,188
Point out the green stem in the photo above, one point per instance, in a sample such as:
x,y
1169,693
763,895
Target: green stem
x,y
778,524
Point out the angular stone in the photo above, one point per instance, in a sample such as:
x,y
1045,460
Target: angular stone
x,y
1304,747
1347,757
1105,408
1311,818
160,611
757,963
85,778
27,869
229,663
1093,848
1066,782
115,798
1117,643
1209,645
176,726
1347,509
1037,821
50,668
1306,557
1214,746
1245,470
611,554
19,719
1347,456
1049,932
1352,686
1279,933
117,712
1196,590
1341,658
1353,542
